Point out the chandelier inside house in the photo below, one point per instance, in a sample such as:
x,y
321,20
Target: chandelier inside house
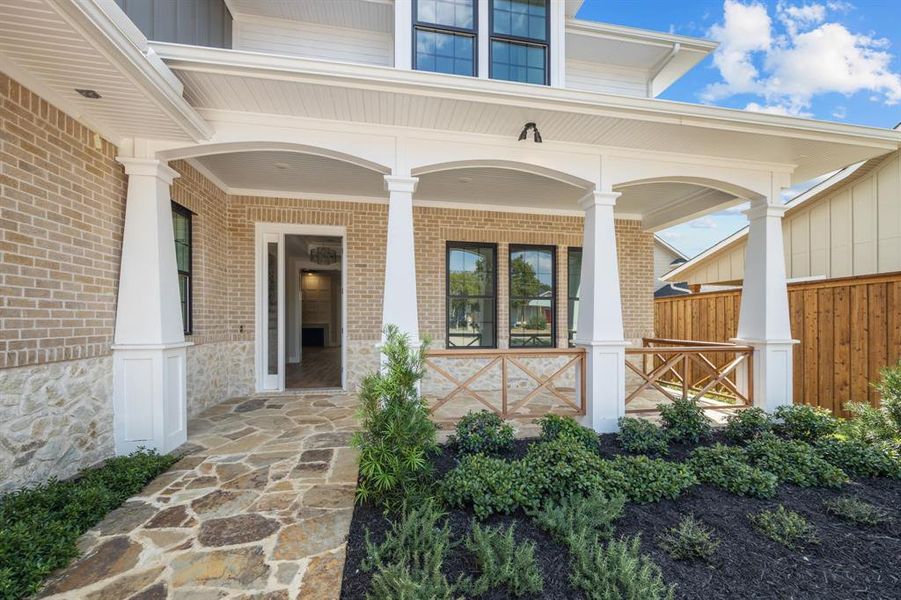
x,y
323,255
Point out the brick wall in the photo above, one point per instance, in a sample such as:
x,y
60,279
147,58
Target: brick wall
x,y
61,218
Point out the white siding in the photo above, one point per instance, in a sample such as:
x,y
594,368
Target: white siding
x,y
595,77
854,230
312,40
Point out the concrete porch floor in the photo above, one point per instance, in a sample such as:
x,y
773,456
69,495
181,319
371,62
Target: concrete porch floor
x,y
259,507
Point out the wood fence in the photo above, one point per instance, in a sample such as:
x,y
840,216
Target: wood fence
x,y
849,328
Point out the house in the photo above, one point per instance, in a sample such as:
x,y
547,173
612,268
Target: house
x,y
666,258
847,225
174,172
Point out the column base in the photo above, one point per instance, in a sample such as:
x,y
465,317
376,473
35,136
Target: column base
x,y
605,384
772,374
149,397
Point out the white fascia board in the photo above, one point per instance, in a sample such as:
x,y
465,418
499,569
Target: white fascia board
x,y
288,68
791,205
105,24
639,36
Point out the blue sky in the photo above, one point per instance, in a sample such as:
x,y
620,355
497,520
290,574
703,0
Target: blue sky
x,y
832,60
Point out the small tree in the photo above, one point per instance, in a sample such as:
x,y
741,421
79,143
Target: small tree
x,y
397,435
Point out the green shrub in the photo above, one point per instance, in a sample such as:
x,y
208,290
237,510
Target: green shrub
x,y
856,510
748,424
868,424
805,423
555,427
889,386
407,564
690,539
396,436
652,479
482,431
39,526
563,467
793,462
859,458
684,421
536,322
489,485
640,436
615,571
576,515
726,467
502,562
786,527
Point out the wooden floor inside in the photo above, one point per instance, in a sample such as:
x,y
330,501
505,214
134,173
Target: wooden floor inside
x,y
319,368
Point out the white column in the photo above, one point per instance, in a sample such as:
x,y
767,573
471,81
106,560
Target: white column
x,y
403,34
149,381
600,326
399,306
764,319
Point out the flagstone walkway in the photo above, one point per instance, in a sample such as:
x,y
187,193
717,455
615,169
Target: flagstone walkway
x,y
259,507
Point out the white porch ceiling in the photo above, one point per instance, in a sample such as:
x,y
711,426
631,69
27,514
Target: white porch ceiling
x,y
234,81
498,187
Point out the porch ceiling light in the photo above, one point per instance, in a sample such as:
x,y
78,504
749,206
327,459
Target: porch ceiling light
x,y
525,132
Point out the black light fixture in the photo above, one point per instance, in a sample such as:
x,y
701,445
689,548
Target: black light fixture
x,y
92,94
525,132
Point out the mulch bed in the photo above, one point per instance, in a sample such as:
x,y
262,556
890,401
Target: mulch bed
x,y
850,561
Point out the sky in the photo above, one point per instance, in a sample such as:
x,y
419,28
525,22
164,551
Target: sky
x,y
832,60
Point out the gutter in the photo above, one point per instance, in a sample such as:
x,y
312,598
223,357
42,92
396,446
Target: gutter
x,y
657,69
113,33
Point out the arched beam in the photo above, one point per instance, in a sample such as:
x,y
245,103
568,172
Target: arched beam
x,y
508,165
730,189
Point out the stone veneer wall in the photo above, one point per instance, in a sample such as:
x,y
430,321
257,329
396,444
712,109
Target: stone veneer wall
x,y
62,208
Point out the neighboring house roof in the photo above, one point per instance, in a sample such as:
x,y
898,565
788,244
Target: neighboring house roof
x,y
670,247
817,192
671,289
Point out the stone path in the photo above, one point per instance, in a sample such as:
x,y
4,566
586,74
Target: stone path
x,y
259,507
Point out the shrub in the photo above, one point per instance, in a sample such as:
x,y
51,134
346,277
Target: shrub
x,y
482,431
868,424
563,467
397,436
748,424
726,467
555,427
407,564
805,423
652,479
856,510
640,436
615,571
489,485
39,526
684,421
503,562
536,322
574,515
889,387
786,527
690,539
859,458
793,462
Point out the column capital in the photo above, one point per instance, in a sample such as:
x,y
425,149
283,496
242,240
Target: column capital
x,y
596,198
765,209
150,167
394,183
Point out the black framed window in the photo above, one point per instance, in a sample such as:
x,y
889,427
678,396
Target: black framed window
x,y
532,303
520,40
181,227
471,295
573,283
444,36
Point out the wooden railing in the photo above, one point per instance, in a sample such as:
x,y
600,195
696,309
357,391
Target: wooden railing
x,y
506,382
720,373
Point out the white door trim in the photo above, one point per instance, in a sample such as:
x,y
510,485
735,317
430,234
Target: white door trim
x,y
283,229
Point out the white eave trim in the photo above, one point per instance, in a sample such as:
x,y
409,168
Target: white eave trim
x,y
791,205
107,25
639,36
287,68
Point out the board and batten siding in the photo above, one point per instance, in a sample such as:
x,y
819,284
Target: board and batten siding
x,y
607,79
195,22
313,40
853,230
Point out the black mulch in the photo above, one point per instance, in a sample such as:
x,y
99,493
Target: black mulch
x,y
850,561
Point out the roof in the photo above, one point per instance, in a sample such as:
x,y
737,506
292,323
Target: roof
x,y
671,289
671,248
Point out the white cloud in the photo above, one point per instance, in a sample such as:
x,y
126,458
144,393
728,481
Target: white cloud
x,y
840,112
813,56
737,210
703,223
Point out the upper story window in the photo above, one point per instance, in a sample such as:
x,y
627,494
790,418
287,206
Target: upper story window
x,y
520,34
444,36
